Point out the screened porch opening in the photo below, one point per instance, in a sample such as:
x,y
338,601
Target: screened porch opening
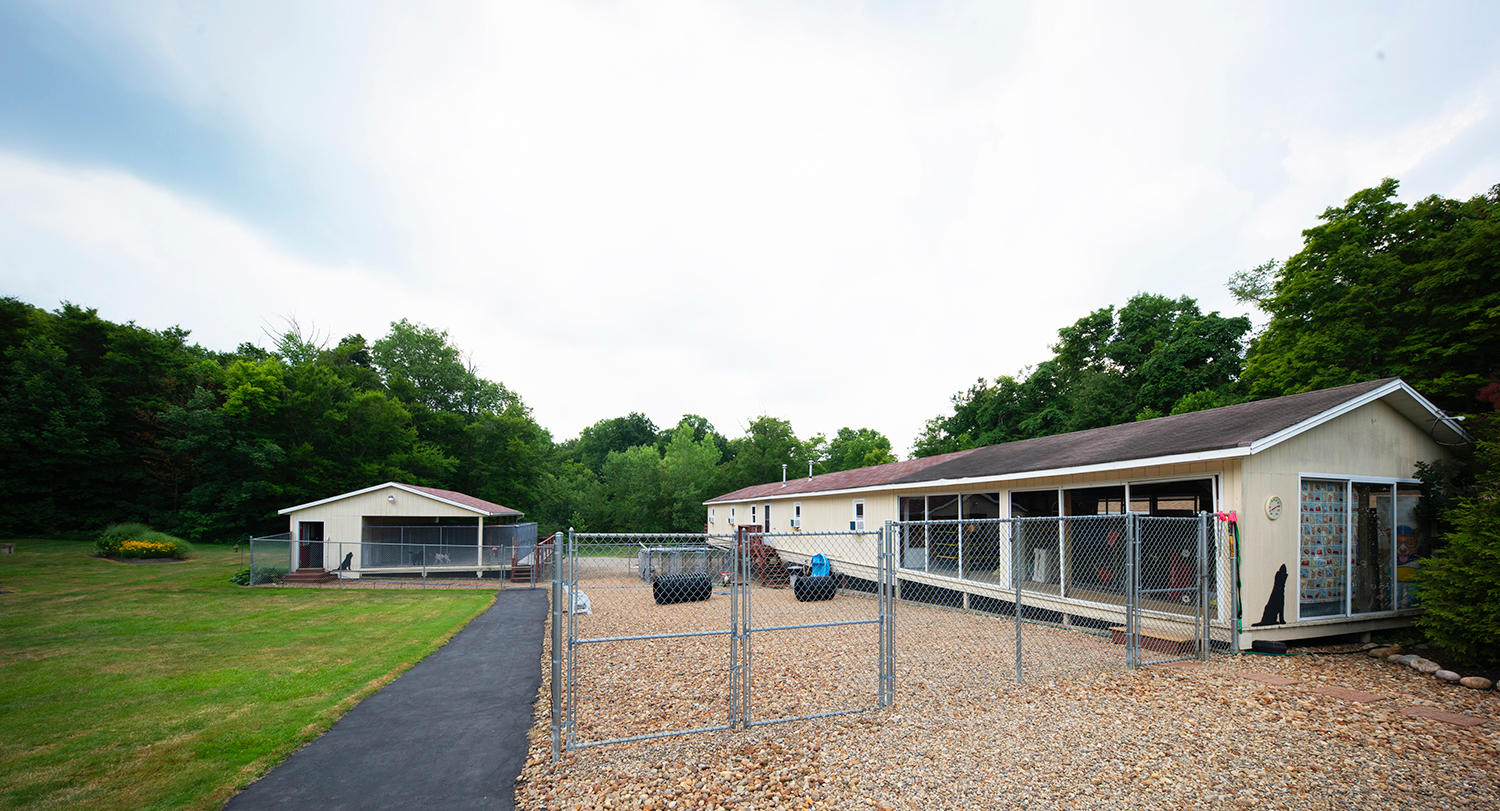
x,y
413,543
1069,542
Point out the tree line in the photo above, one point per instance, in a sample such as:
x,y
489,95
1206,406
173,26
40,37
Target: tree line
x,y
103,422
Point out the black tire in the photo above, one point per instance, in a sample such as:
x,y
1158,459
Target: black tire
x,y
811,589
1267,646
681,588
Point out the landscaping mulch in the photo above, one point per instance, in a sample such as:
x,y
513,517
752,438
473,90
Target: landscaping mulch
x,y
1085,734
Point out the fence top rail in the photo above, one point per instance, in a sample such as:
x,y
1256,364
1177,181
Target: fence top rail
x,y
814,533
280,536
1038,518
625,536
470,525
680,548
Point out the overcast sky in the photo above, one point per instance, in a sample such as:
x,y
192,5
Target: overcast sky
x,y
835,213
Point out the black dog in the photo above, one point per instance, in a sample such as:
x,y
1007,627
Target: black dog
x,y
1275,613
349,558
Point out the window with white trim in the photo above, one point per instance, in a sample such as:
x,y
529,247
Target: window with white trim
x,y
858,522
731,517
752,513
796,515
710,515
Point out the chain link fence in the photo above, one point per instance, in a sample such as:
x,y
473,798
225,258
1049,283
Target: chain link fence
x,y
1039,598
510,556
657,635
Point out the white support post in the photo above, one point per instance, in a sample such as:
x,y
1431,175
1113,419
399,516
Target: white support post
x,y
479,550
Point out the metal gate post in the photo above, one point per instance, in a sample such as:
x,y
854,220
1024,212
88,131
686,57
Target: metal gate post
x,y
572,601
884,576
745,642
557,652
1132,594
880,612
1015,581
892,590
734,635
1203,574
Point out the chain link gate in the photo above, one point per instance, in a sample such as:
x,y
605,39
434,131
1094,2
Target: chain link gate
x,y
643,647
1171,566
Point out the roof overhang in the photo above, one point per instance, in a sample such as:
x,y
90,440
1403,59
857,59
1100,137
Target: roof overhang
x,y
1442,428
398,486
1123,464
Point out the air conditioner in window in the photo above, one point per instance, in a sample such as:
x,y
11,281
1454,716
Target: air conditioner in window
x,y
796,523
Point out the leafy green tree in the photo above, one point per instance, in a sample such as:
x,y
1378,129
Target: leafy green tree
x,y
1383,289
768,443
858,447
1156,355
568,495
702,429
52,434
421,368
234,483
688,476
632,490
1460,581
596,442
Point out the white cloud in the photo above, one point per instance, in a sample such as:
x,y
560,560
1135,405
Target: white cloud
x,y
134,251
839,215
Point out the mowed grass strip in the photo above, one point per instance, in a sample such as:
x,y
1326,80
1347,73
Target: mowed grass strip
x,y
163,685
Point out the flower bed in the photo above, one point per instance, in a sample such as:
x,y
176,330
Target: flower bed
x,y
148,549
138,541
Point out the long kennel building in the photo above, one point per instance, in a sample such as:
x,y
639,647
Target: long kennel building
x,y
1322,483
395,528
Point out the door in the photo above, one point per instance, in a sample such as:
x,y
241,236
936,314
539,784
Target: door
x,y
309,544
770,527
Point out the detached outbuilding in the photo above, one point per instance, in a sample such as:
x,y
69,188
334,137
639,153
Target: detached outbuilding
x,y
396,528
1323,484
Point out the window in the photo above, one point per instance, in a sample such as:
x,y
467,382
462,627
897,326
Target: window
x,y
752,513
796,515
711,515
731,517
1359,541
859,515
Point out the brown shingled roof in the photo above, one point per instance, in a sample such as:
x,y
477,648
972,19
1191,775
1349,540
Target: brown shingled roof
x,y
467,500
844,479
1233,426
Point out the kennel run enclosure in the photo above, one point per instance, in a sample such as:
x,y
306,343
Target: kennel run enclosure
x,y
659,635
656,635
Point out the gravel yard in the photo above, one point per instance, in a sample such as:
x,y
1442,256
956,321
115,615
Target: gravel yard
x,y
1082,733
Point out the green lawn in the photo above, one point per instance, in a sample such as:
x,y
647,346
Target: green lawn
x,y
161,684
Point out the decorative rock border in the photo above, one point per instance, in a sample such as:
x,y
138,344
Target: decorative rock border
x,y
1393,654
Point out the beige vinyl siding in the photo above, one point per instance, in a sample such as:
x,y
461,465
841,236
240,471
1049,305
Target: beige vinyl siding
x,y
1372,441
342,519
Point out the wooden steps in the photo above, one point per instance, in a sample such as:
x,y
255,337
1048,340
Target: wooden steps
x,y
309,576
1159,641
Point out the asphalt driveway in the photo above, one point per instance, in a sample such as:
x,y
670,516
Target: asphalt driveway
x,y
449,733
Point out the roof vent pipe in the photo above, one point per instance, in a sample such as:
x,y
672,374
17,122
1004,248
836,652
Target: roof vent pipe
x,y
783,475
809,468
